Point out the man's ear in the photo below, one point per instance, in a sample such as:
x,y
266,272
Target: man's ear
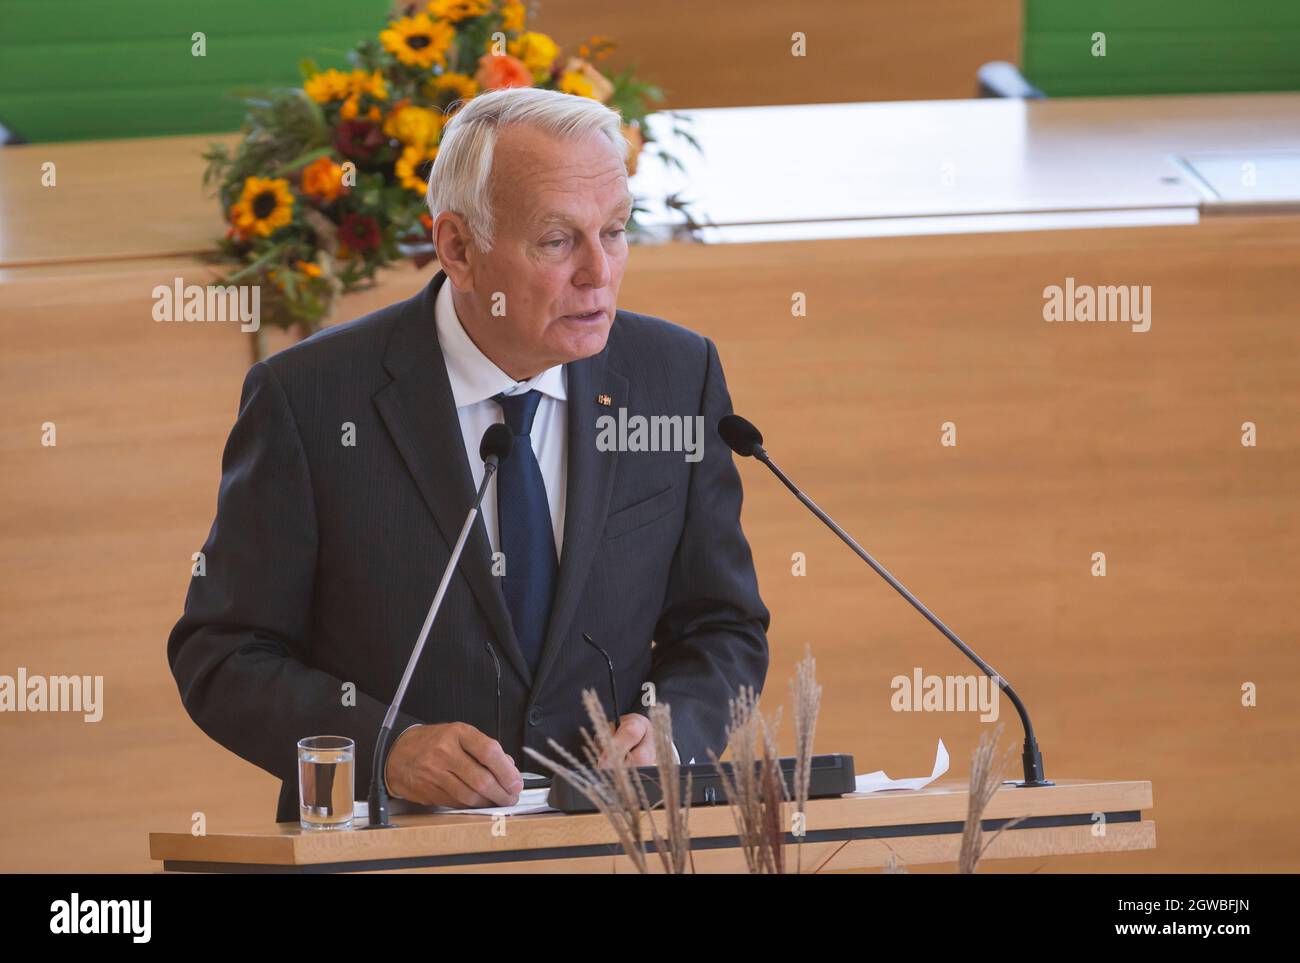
x,y
455,249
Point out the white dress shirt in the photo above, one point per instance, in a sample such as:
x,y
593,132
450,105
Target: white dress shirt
x,y
475,379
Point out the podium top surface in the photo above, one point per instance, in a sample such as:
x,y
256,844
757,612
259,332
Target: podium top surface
x,y
451,838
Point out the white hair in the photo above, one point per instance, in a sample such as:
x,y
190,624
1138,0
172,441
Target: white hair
x,y
461,177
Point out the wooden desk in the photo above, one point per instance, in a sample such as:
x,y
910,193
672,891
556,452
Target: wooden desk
x,y
818,170
851,832
112,200
999,164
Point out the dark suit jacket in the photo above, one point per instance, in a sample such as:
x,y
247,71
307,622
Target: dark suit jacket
x,y
323,558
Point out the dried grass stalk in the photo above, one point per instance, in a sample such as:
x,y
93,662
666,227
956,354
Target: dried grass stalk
x,y
676,798
612,789
616,789
806,695
754,787
985,777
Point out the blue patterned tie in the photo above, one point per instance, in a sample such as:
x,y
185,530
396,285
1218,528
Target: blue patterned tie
x,y
524,521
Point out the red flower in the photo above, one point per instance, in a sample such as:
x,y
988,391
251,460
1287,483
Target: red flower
x,y
359,139
360,232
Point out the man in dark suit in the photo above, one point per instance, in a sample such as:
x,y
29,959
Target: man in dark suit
x,y
354,459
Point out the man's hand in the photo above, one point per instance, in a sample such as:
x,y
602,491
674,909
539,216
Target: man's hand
x,y
634,738
452,764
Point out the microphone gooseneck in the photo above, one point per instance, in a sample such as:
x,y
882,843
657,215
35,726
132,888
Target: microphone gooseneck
x,y
744,439
493,449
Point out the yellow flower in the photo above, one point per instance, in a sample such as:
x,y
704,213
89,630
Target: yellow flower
x,y
462,86
330,85
585,80
408,166
418,41
264,206
309,268
536,50
414,126
370,84
454,11
327,85
512,16
573,82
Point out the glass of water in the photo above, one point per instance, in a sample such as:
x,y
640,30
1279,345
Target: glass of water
x,y
326,780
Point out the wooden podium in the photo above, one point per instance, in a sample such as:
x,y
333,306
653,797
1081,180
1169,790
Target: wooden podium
x,y
857,831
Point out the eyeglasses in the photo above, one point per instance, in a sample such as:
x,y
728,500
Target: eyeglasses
x,y
613,681
496,665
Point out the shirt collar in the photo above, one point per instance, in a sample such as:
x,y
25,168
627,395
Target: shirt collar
x,y
473,375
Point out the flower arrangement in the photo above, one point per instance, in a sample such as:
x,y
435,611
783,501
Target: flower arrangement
x,y
327,184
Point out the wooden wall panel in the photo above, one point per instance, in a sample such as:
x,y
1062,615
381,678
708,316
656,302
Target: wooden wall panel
x,y
1072,439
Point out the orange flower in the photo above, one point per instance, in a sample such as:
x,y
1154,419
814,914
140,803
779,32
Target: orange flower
x,y
597,47
308,268
352,106
322,179
512,16
495,72
635,141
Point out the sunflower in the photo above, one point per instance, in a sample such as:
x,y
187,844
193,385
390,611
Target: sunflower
x,y
454,11
418,41
461,86
536,50
264,206
408,167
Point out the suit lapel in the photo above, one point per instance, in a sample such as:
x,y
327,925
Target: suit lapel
x,y
590,481
419,411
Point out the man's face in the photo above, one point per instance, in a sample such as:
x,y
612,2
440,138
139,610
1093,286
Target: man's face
x,y
557,255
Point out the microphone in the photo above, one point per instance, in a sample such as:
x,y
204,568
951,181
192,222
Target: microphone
x,y
747,441
493,449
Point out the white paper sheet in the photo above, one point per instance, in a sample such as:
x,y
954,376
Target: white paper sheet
x,y
530,801
876,781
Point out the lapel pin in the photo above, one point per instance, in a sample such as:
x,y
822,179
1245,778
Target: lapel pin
x,y
603,399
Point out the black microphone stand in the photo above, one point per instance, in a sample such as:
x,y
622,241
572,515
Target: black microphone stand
x,y
377,806
1032,758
